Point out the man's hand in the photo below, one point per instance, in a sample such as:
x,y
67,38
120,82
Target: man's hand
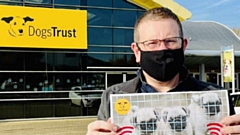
x,y
232,124
100,127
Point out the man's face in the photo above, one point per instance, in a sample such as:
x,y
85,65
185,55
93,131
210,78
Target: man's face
x,y
160,29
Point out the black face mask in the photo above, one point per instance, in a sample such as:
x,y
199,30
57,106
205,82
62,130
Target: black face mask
x,y
162,65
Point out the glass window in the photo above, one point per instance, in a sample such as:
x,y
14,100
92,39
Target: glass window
x,y
44,5
12,110
73,81
100,17
99,49
140,13
123,4
99,36
11,61
109,49
99,3
123,49
114,79
124,18
126,60
67,2
131,76
36,109
12,3
65,61
99,60
37,82
65,81
67,7
63,108
58,82
39,1
122,37
12,82
94,81
35,61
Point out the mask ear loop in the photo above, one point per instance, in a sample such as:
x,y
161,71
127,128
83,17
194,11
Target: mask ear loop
x,y
182,43
139,50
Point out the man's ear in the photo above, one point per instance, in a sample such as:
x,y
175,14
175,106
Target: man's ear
x,y
185,43
136,52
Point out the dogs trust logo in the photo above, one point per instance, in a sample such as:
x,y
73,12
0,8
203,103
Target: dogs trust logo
x,y
16,24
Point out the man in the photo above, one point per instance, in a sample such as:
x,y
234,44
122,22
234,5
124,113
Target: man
x,y
159,49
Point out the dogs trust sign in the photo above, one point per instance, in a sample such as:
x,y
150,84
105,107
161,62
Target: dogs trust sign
x,y
43,28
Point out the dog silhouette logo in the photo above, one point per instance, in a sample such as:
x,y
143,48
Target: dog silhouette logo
x,y
16,24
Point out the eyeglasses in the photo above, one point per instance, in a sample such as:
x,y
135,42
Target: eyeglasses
x,y
171,43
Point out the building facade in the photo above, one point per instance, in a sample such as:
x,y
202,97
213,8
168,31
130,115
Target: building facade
x,y
52,83
37,83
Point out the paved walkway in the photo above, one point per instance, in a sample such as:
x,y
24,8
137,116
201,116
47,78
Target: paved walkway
x,y
46,127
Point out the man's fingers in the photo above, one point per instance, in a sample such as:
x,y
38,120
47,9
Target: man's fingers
x,y
101,133
226,120
230,129
109,120
101,126
230,119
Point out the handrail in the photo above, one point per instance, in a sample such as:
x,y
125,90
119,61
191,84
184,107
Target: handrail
x,y
42,99
81,96
79,91
21,71
113,68
235,93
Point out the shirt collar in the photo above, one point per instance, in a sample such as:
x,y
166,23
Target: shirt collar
x,y
145,88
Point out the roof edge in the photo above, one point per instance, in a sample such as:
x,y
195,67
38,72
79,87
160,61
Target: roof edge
x,y
207,21
207,53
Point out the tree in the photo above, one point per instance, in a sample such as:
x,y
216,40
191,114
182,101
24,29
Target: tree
x,y
236,31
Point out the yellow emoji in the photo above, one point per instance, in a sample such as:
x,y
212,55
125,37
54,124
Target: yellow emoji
x,y
122,106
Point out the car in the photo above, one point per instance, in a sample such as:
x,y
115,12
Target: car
x,y
236,101
85,96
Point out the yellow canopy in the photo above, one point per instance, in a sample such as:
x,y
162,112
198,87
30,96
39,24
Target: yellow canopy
x,y
182,13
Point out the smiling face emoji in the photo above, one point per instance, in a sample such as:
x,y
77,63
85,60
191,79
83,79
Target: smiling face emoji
x,y
122,106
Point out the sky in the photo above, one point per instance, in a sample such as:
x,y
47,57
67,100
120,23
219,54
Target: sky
x,y
226,12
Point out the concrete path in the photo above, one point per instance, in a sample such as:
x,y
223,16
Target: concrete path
x,y
46,127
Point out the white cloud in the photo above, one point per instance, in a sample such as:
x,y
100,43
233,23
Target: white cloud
x,y
217,4
198,17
